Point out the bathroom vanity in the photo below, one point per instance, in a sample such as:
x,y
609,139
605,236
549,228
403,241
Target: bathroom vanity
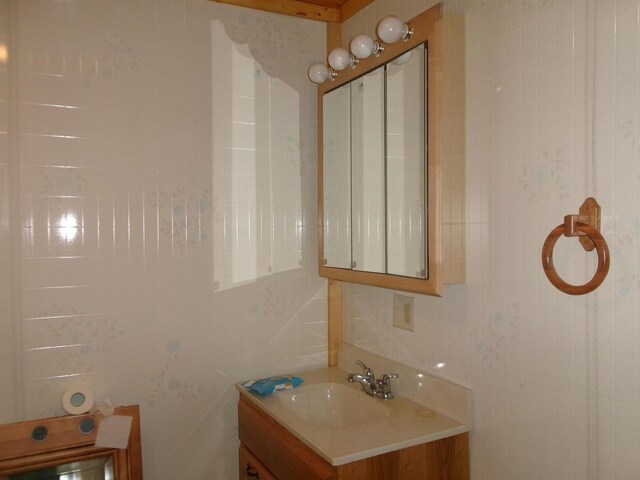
x,y
269,451
330,429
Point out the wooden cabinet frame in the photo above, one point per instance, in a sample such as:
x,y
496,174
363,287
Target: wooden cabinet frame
x,y
443,33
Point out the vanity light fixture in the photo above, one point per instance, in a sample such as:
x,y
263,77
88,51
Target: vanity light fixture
x,y
319,73
363,46
391,29
340,58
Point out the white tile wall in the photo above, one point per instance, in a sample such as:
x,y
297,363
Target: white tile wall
x,y
168,190
552,117
7,381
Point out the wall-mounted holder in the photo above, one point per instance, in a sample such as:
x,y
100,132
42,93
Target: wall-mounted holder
x,y
586,226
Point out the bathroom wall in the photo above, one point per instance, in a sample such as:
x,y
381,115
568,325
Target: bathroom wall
x,y
552,117
7,404
167,164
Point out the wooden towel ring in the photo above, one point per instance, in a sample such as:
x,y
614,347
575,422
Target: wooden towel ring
x,y
587,226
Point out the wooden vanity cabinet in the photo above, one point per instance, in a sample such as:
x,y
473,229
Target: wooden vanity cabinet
x,y
251,468
268,451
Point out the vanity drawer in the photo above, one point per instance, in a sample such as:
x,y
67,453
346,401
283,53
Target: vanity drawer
x,y
251,468
279,451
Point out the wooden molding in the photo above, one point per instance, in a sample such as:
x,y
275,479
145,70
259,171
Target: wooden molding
x,y
295,8
330,11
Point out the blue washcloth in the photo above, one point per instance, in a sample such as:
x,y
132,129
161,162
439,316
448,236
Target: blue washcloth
x,y
266,386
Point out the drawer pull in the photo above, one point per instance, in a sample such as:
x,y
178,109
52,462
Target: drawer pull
x,y
251,472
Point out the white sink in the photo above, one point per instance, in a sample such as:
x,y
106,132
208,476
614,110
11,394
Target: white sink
x,y
333,405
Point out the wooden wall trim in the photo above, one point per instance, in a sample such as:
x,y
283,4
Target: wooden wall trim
x,y
294,8
335,323
303,9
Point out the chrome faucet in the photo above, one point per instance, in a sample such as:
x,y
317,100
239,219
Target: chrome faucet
x,y
376,388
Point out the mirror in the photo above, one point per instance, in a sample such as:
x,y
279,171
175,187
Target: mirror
x,y
92,469
62,448
405,137
337,174
367,170
374,144
392,162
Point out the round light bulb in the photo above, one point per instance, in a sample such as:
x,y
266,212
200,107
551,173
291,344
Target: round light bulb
x,y
404,58
318,72
362,46
340,58
391,29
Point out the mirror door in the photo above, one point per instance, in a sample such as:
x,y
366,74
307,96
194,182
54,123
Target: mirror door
x,y
368,172
405,187
374,170
336,173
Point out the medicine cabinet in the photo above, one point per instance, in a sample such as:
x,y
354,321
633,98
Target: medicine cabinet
x,y
391,170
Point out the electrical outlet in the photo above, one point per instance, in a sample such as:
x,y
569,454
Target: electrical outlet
x,y
403,312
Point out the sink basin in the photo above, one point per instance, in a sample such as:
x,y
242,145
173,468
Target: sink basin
x,y
333,405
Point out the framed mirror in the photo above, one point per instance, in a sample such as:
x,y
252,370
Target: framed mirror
x,y
391,169
62,448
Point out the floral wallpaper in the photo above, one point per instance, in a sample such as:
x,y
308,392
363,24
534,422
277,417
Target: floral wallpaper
x,y
167,186
551,118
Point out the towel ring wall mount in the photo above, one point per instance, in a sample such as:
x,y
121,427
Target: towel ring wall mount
x,y
585,226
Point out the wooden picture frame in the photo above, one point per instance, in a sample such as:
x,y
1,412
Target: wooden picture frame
x,y
65,443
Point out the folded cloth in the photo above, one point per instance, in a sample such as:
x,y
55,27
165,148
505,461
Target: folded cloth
x,y
266,386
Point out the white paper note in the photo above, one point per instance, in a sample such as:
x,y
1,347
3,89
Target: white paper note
x,y
113,432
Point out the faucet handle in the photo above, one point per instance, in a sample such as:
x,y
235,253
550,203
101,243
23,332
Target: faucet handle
x,y
367,371
388,376
385,385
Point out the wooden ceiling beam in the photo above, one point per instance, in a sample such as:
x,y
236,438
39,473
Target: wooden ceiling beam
x,y
321,10
294,8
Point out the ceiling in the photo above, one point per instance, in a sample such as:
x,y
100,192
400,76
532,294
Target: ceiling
x,y
333,11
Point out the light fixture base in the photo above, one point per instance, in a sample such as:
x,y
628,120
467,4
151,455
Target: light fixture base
x,y
407,32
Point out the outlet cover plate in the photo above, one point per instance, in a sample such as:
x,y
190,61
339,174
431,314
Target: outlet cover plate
x,y
403,312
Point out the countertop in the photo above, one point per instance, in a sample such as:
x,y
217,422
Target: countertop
x,y
408,423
